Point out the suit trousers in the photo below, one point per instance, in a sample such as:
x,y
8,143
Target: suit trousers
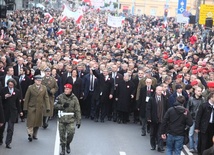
x,y
155,136
10,129
88,104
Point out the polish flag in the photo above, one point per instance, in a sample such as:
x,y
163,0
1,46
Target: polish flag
x,y
51,20
88,2
47,15
60,32
63,18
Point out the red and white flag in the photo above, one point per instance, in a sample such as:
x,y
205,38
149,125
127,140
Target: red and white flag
x,y
51,20
63,18
77,15
47,15
60,32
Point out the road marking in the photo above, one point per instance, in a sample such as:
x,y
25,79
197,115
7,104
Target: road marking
x,y
122,153
56,148
187,150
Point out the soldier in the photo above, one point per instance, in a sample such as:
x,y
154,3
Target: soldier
x,y
36,98
52,88
67,103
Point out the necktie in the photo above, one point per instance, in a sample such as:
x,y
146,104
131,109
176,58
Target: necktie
x,y
92,83
20,79
114,75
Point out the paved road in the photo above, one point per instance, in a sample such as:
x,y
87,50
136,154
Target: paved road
x,y
92,138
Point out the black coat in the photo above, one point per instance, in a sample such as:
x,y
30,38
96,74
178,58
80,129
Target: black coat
x,y
2,80
151,109
1,112
104,87
203,117
77,87
25,83
142,104
209,151
123,93
11,105
118,79
16,70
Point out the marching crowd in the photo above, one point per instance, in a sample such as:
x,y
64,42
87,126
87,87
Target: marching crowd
x,y
147,69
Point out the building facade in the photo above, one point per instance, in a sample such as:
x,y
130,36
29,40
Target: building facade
x,y
157,7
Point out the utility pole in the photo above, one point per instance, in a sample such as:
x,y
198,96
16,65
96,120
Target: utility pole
x,y
198,4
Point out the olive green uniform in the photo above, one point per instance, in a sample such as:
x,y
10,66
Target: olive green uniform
x,y
66,123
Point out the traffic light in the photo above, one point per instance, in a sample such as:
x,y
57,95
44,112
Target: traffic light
x,y
165,12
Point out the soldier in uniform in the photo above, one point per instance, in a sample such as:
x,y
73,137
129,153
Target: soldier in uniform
x,y
67,102
36,98
52,88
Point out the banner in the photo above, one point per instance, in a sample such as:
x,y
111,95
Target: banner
x,y
180,10
77,15
97,3
114,21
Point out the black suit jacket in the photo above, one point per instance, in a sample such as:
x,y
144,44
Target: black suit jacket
x,y
11,105
142,104
2,80
86,85
76,86
203,117
1,112
104,88
118,79
151,110
25,83
16,70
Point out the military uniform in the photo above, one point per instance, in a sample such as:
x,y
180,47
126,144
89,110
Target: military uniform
x,y
35,101
52,88
66,123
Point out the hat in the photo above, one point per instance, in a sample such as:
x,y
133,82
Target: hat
x,y
148,71
178,87
179,76
187,65
194,72
210,84
47,69
193,83
68,86
170,61
165,56
38,77
194,67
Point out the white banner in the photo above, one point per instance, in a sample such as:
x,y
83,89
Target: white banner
x,y
114,21
97,3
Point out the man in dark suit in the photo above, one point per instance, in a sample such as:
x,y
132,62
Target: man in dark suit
x,y
18,66
204,124
146,93
136,80
89,85
24,82
64,77
155,111
105,92
11,104
209,151
117,78
9,74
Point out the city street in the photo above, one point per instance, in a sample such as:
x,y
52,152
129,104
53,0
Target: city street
x,y
92,138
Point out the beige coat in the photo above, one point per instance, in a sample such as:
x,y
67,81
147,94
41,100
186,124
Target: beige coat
x,y
35,102
51,85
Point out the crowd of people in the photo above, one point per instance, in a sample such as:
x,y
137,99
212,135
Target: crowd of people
x,y
143,69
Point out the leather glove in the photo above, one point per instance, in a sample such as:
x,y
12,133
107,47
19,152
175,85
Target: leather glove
x,y
65,105
78,126
49,92
48,110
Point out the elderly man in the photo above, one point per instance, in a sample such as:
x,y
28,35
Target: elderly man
x,y
36,98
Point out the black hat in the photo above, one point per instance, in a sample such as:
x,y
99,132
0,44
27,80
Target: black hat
x,y
178,87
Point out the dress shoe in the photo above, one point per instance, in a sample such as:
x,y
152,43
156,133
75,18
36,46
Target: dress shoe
x,y
30,138
102,120
8,146
34,137
153,148
160,150
1,142
45,126
143,134
68,149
